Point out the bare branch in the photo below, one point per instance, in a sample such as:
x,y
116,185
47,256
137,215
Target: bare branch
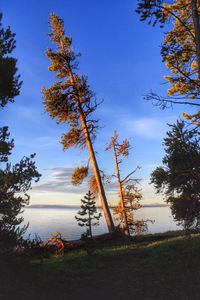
x,y
166,102
125,179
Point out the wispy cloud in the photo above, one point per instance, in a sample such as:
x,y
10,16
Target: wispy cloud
x,y
59,186
41,142
60,173
31,114
60,182
151,166
150,128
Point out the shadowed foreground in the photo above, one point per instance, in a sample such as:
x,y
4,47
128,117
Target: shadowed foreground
x,y
157,270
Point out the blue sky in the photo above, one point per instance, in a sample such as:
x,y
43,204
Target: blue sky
x,y
121,57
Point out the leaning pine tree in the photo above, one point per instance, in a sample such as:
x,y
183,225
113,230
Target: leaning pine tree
x,y
71,101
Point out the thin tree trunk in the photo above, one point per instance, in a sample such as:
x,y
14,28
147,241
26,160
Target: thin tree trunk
x,y
120,191
90,226
95,167
196,22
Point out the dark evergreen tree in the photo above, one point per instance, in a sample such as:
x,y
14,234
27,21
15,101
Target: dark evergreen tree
x,y
88,215
179,177
15,180
9,82
6,145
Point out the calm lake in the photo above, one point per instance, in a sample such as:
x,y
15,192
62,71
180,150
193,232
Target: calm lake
x,y
45,221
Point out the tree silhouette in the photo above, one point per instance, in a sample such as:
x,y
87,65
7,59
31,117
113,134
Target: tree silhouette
x,y
179,177
15,180
9,82
70,100
88,216
6,145
186,212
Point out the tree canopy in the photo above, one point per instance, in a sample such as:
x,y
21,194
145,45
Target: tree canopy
x,y
15,182
9,80
179,177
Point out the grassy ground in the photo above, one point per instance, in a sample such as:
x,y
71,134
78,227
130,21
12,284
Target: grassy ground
x,y
167,269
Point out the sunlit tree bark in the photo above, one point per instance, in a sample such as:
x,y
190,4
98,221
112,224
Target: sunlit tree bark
x,y
120,150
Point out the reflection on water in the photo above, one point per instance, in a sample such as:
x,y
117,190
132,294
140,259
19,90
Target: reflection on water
x,y
162,217
45,221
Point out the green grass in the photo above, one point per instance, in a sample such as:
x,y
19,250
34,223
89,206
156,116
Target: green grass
x,y
168,269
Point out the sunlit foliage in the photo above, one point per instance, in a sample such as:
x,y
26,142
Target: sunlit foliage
x,y
129,194
194,118
131,199
70,99
93,185
180,50
56,242
79,174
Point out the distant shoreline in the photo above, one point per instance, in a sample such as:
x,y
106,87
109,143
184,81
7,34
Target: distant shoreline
x,y
49,206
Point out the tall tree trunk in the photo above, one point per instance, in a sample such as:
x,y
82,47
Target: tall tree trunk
x,y
196,22
121,191
90,226
95,167
97,175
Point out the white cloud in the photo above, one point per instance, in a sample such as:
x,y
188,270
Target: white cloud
x,y
149,194
60,182
40,142
31,114
150,128
59,188
151,166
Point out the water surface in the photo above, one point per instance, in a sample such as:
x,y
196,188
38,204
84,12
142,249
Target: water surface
x,y
45,221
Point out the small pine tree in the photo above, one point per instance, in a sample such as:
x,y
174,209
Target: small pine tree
x,y
88,215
